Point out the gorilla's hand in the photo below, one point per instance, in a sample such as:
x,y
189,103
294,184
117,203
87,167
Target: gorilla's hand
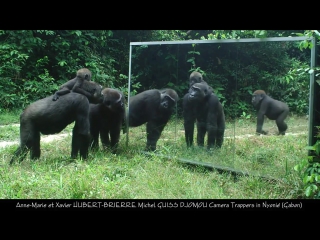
x,y
55,97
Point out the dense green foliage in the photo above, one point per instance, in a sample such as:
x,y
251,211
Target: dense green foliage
x,y
33,63
309,168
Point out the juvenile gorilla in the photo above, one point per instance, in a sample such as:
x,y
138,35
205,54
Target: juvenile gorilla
x,y
80,84
196,77
50,117
273,109
155,108
106,119
202,106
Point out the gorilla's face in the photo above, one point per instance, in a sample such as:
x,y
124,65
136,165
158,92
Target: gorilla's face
x,y
112,100
168,99
97,92
167,102
256,99
197,92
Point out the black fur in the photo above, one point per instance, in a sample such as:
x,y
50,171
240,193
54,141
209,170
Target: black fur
x,y
202,106
155,108
80,84
50,117
273,109
106,119
196,77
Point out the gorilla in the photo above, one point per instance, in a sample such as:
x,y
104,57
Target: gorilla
x,y
79,85
106,119
196,77
273,109
50,117
155,108
204,107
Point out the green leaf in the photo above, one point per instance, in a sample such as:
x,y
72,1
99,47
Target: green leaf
x,y
305,179
62,63
310,148
308,191
316,32
78,33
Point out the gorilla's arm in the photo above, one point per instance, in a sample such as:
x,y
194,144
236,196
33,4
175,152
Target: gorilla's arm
x,y
64,89
212,120
154,130
260,117
189,119
78,88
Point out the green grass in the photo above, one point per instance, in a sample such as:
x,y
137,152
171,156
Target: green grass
x,y
9,117
130,174
270,155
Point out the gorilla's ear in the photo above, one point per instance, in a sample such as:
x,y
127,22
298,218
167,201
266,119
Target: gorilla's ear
x,y
207,91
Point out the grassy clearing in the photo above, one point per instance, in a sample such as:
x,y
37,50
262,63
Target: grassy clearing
x,y
131,174
270,155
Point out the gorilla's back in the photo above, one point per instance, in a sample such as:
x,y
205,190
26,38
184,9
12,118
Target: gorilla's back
x,y
51,117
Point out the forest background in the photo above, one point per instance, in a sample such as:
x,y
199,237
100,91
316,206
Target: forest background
x,y
34,63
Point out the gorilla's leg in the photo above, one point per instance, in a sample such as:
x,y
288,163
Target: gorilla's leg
x,y
282,126
35,148
220,134
20,154
212,135
81,136
115,137
27,137
75,143
95,125
84,146
154,131
104,136
94,138
189,130
201,132
80,143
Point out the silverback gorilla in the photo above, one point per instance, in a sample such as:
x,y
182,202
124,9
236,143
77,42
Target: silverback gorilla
x,y
153,107
50,117
79,85
106,119
273,109
204,107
